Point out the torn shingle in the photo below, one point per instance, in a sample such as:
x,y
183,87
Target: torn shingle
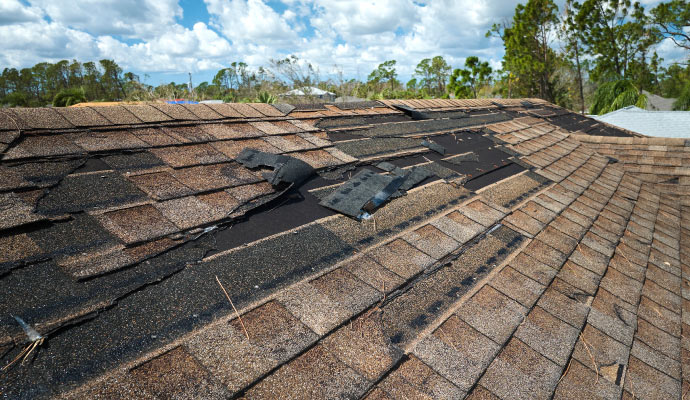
x,y
434,146
363,193
285,168
14,212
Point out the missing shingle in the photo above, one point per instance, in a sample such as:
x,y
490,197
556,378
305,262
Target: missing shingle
x,y
462,158
286,169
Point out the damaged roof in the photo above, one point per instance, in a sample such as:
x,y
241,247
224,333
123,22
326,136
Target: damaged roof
x,y
395,249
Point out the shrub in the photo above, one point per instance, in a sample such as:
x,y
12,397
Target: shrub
x,y
69,97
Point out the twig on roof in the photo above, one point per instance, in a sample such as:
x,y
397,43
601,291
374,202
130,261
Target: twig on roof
x,y
583,254
626,258
35,340
233,307
596,369
566,370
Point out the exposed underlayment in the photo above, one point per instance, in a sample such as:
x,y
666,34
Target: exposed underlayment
x,y
540,254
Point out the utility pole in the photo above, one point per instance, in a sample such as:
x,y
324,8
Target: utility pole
x,y
190,87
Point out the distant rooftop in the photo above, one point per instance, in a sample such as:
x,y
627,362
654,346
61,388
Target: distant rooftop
x,y
308,91
651,123
658,103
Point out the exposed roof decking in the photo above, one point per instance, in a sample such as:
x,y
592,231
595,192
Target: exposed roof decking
x,y
553,276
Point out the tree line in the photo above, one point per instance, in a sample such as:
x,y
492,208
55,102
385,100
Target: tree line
x,y
589,56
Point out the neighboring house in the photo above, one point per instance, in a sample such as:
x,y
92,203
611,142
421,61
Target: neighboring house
x,y
650,123
658,103
311,92
493,250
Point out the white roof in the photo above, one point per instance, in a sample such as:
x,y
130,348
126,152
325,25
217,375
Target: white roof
x,y
650,123
308,91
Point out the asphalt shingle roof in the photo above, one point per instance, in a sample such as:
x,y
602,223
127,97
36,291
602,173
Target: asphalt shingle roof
x,y
553,263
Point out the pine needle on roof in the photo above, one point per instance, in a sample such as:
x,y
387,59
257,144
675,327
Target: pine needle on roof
x,y
233,307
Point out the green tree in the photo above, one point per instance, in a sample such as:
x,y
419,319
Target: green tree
x,y
92,81
38,85
614,34
412,85
15,99
673,80
384,74
528,54
573,48
614,95
671,19
682,103
112,80
434,74
297,73
466,82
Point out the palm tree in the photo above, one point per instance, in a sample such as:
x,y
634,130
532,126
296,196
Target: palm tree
x,y
68,97
265,97
614,95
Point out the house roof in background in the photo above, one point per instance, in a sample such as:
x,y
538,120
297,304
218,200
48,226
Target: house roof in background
x,y
658,103
650,123
308,91
524,251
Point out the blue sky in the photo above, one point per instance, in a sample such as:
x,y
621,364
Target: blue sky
x,y
166,39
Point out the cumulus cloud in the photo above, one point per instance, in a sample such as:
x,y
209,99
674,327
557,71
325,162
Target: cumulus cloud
x,y
244,21
180,49
129,18
13,12
46,41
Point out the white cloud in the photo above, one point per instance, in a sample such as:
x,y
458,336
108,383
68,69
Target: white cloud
x,y
13,12
351,19
251,21
180,49
47,41
129,18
